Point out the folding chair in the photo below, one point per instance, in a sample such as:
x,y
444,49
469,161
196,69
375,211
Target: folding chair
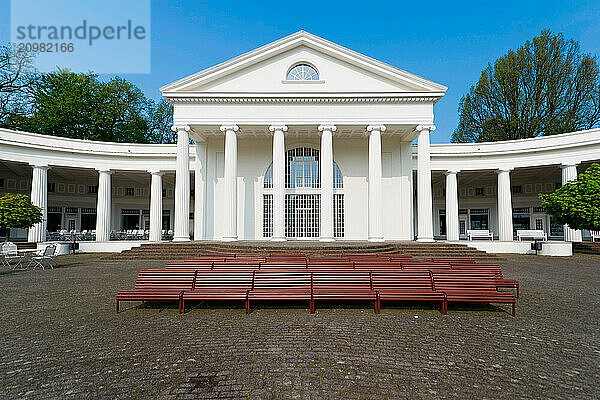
x,y
44,258
10,254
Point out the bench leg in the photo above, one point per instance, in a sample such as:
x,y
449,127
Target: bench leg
x,y
182,306
312,306
514,304
247,306
117,306
445,307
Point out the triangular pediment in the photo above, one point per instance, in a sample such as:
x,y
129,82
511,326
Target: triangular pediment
x,y
340,71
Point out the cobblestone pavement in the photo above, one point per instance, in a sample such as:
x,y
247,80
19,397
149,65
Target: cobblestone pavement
x,y
60,338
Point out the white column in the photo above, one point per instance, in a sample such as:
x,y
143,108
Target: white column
x,y
39,197
425,208
569,173
279,181
156,206
407,191
182,185
505,223
230,181
104,206
375,192
199,190
326,172
452,232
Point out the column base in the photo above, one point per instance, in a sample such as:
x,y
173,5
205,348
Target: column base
x,y
278,239
425,239
229,239
326,239
181,239
376,239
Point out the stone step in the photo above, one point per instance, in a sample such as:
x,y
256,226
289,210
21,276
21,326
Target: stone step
x,y
180,251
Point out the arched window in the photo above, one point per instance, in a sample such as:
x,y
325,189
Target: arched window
x,y
302,208
302,72
302,170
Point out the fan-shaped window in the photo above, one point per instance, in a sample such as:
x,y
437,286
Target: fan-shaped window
x,y
302,72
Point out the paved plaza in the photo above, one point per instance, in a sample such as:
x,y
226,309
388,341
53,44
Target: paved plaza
x,y
60,338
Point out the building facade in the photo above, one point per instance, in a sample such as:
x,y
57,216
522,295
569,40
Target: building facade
x,y
300,139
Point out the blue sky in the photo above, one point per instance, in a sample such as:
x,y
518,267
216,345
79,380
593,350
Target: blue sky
x,y
446,42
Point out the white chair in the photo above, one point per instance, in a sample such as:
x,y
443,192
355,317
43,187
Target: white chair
x,y
595,235
10,254
44,258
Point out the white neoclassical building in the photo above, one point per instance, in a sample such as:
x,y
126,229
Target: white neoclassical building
x,y
301,139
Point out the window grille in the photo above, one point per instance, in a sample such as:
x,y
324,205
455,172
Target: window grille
x,y
146,213
88,211
338,215
302,72
517,189
55,209
338,179
521,210
92,189
302,215
129,211
302,168
474,211
268,183
129,191
479,191
538,209
51,187
267,215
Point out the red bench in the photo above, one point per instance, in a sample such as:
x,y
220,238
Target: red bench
x,y
343,285
470,287
219,285
407,286
494,268
158,285
287,284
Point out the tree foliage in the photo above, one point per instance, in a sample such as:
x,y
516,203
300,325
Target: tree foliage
x,y
17,77
81,106
17,211
547,86
577,203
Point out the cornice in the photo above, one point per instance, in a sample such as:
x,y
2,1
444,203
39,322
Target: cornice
x,y
262,100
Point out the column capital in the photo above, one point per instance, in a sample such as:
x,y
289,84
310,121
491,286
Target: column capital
x,y
229,127
105,171
327,127
376,127
39,166
451,172
567,165
156,172
280,127
428,128
177,128
501,170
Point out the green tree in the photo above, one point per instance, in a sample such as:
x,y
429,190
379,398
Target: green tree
x,y
81,106
547,86
17,211
577,203
17,77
